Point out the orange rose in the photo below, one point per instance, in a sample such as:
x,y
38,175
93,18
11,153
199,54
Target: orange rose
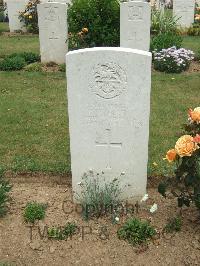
x,y
185,146
171,155
194,115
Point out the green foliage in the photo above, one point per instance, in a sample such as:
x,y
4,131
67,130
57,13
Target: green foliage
x,y
17,61
34,67
174,225
194,30
62,233
1,16
165,40
136,231
185,185
5,188
163,22
12,64
29,57
34,211
98,196
30,17
100,17
62,68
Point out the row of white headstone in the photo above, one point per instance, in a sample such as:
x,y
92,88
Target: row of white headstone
x,y
108,98
52,20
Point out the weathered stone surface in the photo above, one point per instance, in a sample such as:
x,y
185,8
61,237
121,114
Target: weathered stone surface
x,y
52,20
14,8
184,10
109,105
135,21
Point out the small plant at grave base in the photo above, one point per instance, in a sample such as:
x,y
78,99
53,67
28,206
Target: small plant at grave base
x,y
174,225
30,17
62,68
34,211
29,57
136,232
98,197
62,233
173,60
34,67
185,185
5,188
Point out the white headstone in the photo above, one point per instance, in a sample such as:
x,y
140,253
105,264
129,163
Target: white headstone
x,y
14,8
109,105
135,20
184,9
52,21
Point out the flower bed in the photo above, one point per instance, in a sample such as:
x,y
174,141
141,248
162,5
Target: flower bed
x,y
172,60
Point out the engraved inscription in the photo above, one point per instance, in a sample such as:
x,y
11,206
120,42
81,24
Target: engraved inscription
x,y
109,80
51,14
133,36
105,141
135,13
53,37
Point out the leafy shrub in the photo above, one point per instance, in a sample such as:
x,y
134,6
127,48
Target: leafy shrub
x,y
165,40
34,67
97,195
173,60
62,233
163,22
100,17
185,185
5,188
29,57
12,64
174,225
34,211
30,17
136,231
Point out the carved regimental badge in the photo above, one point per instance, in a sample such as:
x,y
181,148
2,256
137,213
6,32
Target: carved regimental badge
x,y
109,80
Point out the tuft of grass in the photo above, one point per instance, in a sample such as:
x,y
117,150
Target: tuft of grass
x,y
174,225
34,67
62,233
5,188
136,232
34,211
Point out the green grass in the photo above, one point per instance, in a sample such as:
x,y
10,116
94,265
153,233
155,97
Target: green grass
x,y
34,126
17,44
172,95
33,113
3,27
192,42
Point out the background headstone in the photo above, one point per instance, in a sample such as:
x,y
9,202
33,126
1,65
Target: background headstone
x,y
52,21
14,7
135,20
184,9
109,106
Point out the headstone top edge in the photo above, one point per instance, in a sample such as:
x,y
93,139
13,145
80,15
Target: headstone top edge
x,y
113,49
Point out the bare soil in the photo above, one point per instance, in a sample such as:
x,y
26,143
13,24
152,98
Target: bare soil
x,y
96,241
